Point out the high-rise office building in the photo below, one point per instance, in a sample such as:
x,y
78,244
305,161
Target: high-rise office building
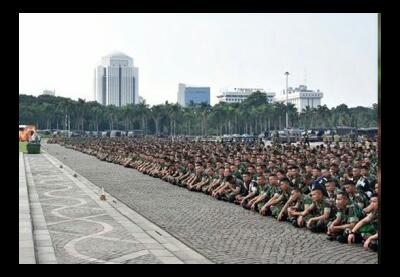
x,y
116,80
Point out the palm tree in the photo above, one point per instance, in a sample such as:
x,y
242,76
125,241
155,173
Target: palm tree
x,y
177,113
143,114
253,115
322,115
112,116
204,109
80,113
292,113
157,112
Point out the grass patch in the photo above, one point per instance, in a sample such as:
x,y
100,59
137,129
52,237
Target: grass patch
x,y
22,146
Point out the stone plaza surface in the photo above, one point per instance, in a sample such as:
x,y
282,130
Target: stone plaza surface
x,y
70,224
26,245
220,231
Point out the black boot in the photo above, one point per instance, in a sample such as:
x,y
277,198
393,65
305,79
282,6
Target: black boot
x,y
331,237
341,238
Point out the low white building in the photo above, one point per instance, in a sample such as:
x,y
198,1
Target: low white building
x,y
49,92
301,97
238,95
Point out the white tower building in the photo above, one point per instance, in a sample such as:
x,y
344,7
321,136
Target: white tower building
x,y
116,80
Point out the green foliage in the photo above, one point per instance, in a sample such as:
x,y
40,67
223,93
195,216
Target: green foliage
x,y
254,115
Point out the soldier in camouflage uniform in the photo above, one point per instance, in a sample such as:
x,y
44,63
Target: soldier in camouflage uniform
x,y
172,171
318,180
216,182
366,182
346,218
335,175
367,226
198,178
216,192
248,186
296,180
230,190
276,203
189,176
180,173
249,200
241,166
206,179
270,190
332,191
317,215
356,197
325,138
336,139
294,207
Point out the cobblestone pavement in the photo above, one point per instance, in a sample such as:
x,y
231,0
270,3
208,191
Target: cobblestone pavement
x,y
84,229
222,232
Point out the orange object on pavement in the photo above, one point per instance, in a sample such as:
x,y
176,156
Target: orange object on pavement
x,y
26,131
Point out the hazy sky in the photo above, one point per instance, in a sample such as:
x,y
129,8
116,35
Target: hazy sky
x,y
335,53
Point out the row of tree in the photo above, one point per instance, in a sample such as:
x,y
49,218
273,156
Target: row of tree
x,y
253,116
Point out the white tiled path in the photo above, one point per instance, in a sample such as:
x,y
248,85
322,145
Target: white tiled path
x,y
153,241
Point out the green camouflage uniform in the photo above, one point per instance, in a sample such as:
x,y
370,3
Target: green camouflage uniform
x,y
211,179
336,139
230,196
332,197
346,215
297,182
361,200
372,227
260,191
283,198
270,191
319,207
297,204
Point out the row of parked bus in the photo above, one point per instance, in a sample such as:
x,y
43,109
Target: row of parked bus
x,y
312,135
295,135
317,135
112,133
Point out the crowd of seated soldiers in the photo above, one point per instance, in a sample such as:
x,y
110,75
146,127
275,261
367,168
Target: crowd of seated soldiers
x,y
329,188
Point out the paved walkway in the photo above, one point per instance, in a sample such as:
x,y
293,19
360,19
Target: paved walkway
x,y
222,232
26,246
72,225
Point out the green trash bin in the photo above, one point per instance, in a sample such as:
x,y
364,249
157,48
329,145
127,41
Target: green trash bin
x,y
33,148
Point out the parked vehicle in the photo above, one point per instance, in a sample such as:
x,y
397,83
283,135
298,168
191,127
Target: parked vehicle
x,y
105,134
371,133
115,133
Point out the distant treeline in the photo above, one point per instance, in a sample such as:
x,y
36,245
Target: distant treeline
x,y
253,116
